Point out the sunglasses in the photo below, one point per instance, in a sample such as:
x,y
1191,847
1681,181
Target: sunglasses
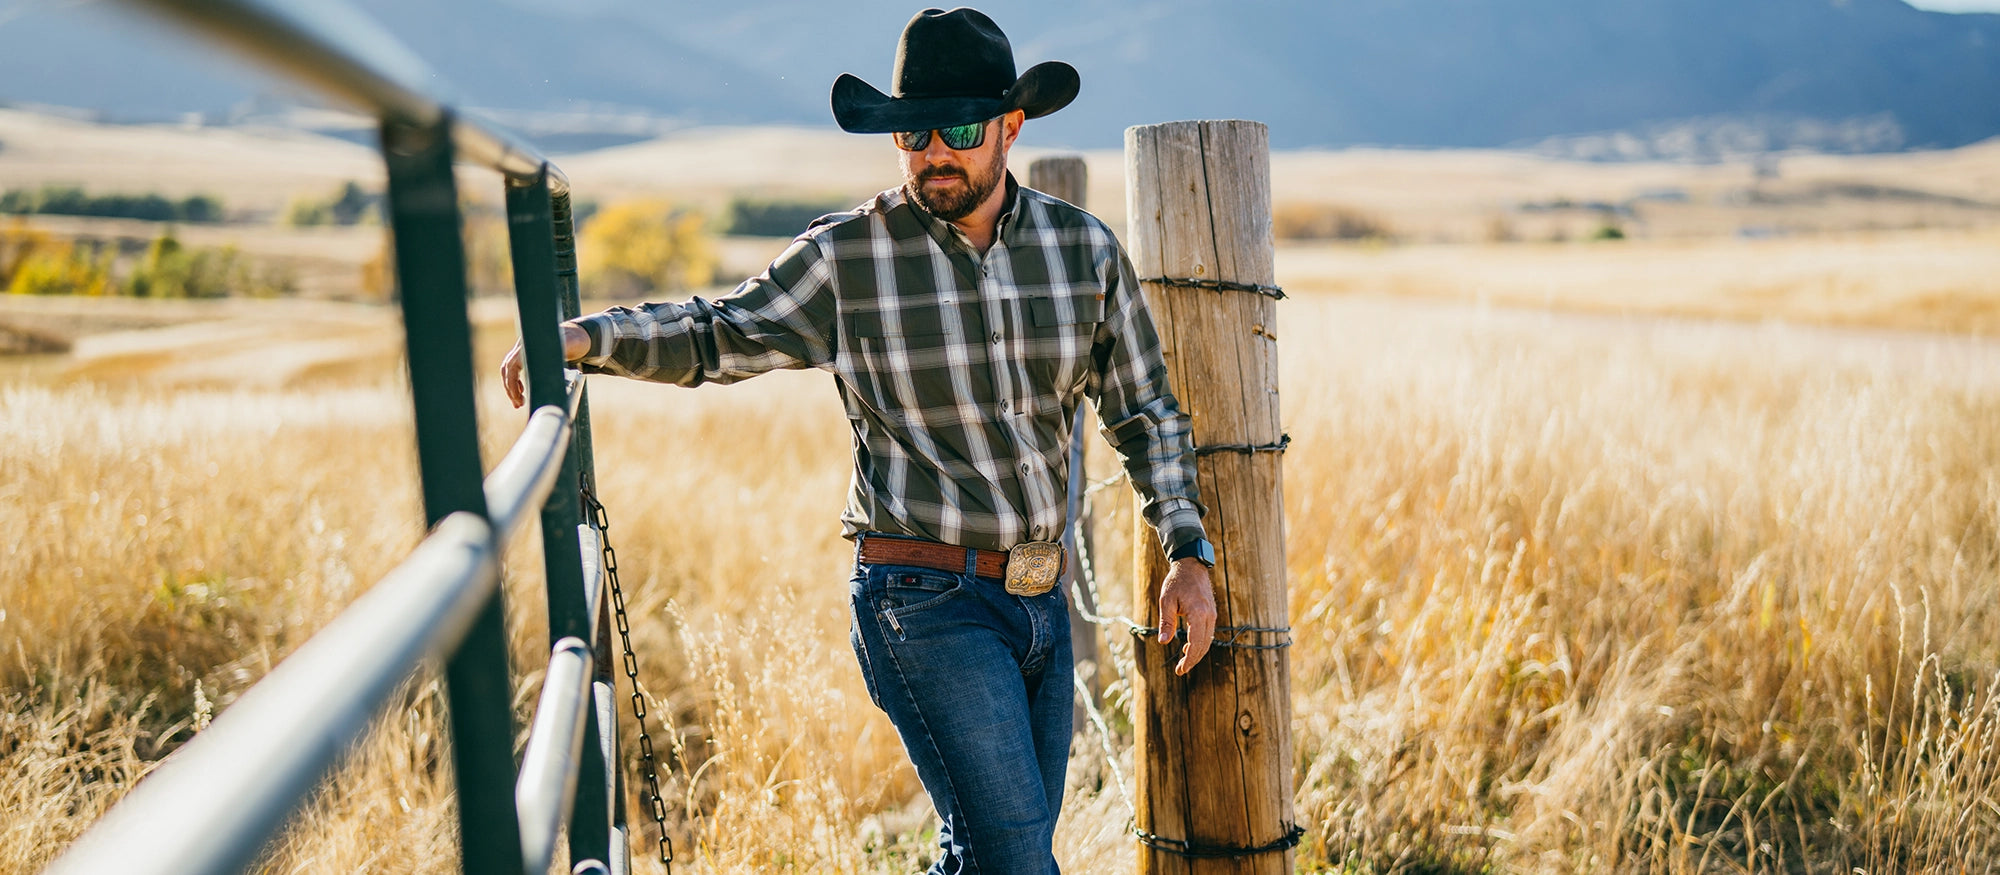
x,y
957,137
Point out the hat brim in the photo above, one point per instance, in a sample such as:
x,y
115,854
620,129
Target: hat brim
x,y
861,108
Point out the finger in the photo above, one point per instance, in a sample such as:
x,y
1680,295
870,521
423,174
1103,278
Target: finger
x,y
1201,633
510,376
1169,620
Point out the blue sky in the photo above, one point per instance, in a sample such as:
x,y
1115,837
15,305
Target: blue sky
x,y
1958,5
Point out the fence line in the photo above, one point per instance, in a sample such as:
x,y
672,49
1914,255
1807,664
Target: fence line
x,y
216,803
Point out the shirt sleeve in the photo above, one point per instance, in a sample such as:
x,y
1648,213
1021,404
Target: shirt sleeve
x,y
1139,414
780,319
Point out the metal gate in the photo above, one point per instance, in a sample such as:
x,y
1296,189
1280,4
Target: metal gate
x,y
214,805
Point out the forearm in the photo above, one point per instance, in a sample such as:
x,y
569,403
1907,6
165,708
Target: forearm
x,y
753,331
646,342
575,342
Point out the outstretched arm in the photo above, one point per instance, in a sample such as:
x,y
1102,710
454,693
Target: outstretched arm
x,y
1144,422
783,318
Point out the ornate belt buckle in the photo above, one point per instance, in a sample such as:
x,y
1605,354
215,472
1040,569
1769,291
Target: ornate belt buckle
x,y
1033,566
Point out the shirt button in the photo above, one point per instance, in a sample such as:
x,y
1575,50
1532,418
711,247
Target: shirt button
x,y
1024,467
996,337
1003,407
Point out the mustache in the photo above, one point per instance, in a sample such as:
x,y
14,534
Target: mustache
x,y
930,173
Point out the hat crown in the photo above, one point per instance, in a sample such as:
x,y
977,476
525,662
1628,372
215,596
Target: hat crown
x,y
952,68
960,53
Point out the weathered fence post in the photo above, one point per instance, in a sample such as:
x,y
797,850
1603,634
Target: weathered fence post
x,y
1066,177
1214,748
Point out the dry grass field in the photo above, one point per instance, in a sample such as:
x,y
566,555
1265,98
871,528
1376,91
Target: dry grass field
x,y
1922,280
1572,594
1575,588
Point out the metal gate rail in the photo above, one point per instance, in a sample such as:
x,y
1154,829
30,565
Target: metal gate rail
x,y
216,803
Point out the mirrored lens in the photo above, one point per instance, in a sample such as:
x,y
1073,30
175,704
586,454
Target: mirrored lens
x,y
964,136
957,137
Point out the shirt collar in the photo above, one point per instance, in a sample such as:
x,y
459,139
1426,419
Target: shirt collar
x,y
1009,200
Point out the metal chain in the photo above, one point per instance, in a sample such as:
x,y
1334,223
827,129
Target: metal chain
x,y
655,803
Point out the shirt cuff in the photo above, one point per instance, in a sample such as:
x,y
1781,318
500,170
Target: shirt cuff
x,y
599,328
1180,522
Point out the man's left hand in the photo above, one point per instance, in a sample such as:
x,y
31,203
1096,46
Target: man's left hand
x,y
1186,595
576,344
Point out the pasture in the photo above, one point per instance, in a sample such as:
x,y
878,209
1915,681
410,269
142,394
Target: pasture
x,y
1583,578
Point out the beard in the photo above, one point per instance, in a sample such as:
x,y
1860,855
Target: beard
x,y
956,202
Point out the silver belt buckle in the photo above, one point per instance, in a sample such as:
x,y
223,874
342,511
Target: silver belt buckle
x,y
1033,566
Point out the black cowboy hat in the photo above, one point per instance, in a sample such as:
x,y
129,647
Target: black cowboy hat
x,y
952,68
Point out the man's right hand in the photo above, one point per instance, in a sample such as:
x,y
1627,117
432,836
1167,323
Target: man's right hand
x,y
575,343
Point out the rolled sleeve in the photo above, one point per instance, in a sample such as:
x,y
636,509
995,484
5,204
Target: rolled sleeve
x,y
599,327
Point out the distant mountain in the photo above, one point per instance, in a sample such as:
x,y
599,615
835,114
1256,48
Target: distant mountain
x,y
1324,73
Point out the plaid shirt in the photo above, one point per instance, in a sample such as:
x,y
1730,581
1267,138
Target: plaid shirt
x,y
960,374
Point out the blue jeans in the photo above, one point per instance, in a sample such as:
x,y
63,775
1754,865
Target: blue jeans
x,y
978,684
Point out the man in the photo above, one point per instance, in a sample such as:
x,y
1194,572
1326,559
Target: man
x,y
964,317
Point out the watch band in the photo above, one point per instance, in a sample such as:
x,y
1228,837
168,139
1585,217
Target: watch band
x,y
1198,549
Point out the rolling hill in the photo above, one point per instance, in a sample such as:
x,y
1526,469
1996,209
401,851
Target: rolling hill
x,y
1835,75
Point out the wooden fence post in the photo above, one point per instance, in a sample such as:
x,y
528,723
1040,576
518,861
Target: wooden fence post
x,y
1214,752
1066,177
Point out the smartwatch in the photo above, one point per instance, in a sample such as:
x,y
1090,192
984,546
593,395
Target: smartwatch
x,y
1198,549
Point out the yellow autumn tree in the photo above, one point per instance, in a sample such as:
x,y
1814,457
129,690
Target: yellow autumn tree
x,y
639,246
43,266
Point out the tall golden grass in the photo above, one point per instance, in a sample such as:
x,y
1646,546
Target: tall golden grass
x,y
1569,594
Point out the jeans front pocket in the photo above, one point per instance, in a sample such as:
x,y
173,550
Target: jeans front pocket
x,y
907,595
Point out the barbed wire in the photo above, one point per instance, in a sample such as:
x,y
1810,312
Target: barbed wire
x,y
1104,738
1272,292
1099,486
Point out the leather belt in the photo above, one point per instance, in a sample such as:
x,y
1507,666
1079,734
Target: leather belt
x,y
930,554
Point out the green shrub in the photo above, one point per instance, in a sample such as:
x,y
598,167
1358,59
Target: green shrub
x,y
35,263
1608,232
348,206
62,200
776,218
170,270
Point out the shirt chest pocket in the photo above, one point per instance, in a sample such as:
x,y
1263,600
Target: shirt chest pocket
x,y
899,355
1055,314
1060,329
